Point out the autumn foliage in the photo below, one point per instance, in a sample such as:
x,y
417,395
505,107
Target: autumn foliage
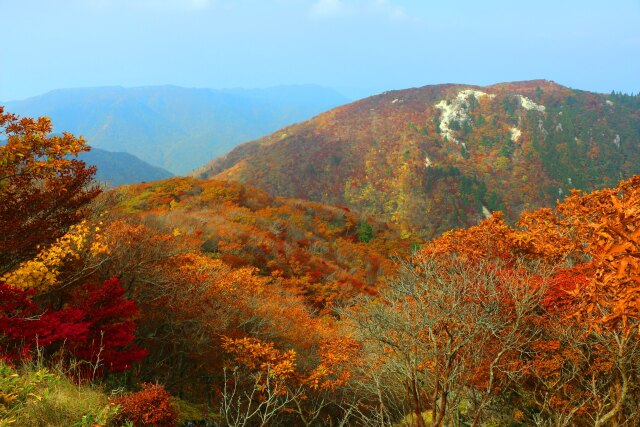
x,y
96,326
43,189
275,311
586,338
150,406
398,156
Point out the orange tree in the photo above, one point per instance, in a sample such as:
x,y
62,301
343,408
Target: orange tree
x,y
266,386
42,188
607,303
582,363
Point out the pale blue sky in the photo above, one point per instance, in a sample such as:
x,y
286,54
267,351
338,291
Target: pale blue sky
x,y
359,47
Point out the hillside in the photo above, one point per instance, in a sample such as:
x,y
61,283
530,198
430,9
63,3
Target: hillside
x,y
173,127
115,169
187,299
444,156
323,252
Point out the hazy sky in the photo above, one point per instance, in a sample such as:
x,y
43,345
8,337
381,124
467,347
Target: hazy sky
x,y
359,47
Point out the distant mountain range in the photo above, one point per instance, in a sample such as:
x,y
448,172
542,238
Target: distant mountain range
x,y
176,128
444,156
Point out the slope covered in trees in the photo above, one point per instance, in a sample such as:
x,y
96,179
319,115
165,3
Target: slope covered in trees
x,y
444,156
169,274
283,312
324,252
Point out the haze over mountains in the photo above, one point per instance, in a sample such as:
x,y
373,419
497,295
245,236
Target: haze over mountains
x,y
175,128
445,156
428,158
118,168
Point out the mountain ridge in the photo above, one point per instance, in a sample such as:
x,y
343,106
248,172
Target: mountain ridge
x,y
120,168
442,156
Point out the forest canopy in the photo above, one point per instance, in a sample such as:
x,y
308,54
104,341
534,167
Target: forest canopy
x,y
251,309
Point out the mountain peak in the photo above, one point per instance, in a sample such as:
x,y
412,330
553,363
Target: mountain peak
x,y
442,156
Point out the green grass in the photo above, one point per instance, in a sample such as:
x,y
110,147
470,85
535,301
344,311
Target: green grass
x,y
33,396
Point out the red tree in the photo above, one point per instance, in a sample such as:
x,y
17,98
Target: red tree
x,y
96,326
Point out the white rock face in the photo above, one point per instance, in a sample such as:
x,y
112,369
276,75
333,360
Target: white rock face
x,y
456,110
486,212
515,134
609,103
528,104
427,162
616,141
541,128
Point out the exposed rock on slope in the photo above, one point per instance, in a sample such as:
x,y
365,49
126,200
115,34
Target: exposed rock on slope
x,y
438,157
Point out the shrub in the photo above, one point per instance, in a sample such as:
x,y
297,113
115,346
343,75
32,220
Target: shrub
x,y
150,406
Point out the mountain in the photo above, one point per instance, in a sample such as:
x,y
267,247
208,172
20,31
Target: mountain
x,y
444,156
114,169
173,127
122,168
